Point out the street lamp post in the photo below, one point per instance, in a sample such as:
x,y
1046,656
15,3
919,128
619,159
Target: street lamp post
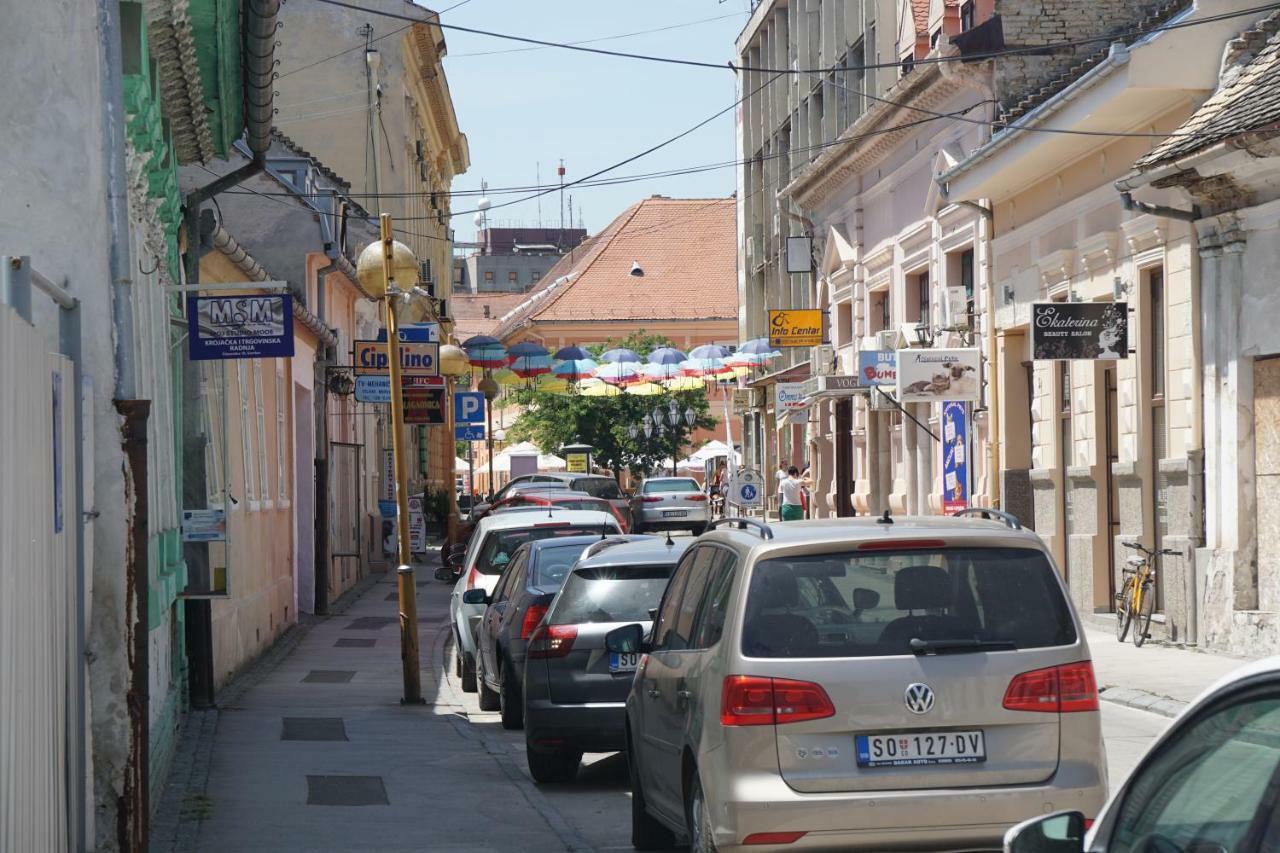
x,y
380,265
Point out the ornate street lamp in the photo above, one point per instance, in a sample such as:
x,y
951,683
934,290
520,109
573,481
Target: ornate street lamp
x,y
690,416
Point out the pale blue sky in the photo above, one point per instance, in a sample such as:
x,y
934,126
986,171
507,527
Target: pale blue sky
x,y
519,109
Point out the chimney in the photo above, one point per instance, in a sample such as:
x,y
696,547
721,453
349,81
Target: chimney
x,y
486,311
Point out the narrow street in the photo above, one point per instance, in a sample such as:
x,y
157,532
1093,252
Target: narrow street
x,y
318,755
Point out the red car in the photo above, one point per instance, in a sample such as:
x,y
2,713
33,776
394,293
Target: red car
x,y
562,498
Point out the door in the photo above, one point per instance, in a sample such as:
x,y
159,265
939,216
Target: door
x,y
1113,490
344,516
509,585
844,457
304,496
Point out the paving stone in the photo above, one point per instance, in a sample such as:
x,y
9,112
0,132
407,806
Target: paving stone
x,y
346,791
372,623
355,643
313,728
329,676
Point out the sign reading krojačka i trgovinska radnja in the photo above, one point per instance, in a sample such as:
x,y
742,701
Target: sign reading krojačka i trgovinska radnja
x,y
1079,330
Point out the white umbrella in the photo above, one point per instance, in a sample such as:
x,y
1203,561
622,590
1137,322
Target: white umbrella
x,y
460,464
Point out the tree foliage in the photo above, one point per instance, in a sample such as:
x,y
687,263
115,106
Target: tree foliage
x,y
554,420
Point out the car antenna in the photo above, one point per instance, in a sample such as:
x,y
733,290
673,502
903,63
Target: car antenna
x,y
671,543
604,532
884,519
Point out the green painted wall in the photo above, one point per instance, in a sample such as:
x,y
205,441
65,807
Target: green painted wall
x,y
216,27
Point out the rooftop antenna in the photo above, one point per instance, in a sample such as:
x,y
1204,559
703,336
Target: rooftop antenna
x,y
884,519
537,182
560,172
570,210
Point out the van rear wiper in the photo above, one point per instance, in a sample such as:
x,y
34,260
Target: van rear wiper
x,y
959,644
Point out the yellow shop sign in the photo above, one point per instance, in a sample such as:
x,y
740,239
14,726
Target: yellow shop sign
x,y
800,327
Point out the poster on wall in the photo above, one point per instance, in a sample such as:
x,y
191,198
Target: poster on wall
x,y
934,375
417,525
955,456
1096,331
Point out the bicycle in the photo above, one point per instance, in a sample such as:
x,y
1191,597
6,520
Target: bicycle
x,y
1137,595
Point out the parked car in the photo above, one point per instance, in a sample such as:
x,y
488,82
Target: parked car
x,y
598,486
575,694
495,540
860,684
671,503
566,498
1209,784
519,602
515,487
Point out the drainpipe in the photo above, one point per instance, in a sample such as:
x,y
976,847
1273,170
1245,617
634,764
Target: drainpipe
x,y
1130,203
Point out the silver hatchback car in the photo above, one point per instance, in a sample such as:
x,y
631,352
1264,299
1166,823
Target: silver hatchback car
x,y
670,503
860,684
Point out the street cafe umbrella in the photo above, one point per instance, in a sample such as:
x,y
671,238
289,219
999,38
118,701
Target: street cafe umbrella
x,y
574,369
621,356
572,353
709,351
645,389
618,373
596,388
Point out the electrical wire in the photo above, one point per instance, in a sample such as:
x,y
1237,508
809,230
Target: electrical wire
x,y
600,38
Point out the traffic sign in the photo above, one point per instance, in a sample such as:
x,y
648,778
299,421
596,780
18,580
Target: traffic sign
x,y
746,489
468,407
468,432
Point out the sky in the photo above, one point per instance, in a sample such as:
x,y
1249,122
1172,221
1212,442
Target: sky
x,y
522,109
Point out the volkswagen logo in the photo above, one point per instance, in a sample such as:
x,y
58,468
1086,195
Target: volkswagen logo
x,y
919,698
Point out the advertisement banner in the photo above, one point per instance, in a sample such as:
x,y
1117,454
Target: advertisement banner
x,y
417,525
789,397
416,359
204,525
877,367
800,327
377,389
424,406
225,327
575,463
388,484
955,456
1079,330
934,375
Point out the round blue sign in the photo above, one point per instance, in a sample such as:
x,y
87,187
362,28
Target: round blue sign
x,y
748,492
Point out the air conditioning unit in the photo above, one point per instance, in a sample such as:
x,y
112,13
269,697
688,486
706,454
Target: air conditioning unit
x,y
424,268
887,339
822,360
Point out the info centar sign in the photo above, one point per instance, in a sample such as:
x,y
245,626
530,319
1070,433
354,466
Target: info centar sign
x,y
799,327
416,359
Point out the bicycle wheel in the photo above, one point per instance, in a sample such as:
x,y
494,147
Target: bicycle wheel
x,y
1124,610
1142,619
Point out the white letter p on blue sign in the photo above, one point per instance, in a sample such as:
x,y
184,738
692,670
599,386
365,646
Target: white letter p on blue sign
x,y
468,407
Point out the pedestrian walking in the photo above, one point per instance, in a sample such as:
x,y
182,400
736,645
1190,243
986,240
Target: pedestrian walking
x,y
792,488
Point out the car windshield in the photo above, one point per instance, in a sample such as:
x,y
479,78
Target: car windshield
x,y
553,563
500,545
870,604
680,485
610,594
598,487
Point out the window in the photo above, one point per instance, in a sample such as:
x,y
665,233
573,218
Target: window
x,y
966,281
502,591
1210,787
968,15
918,298
261,410
536,276
513,276
246,436
610,594
713,610
282,434
907,64
500,545
1156,366
681,637
488,275
665,625
878,317
873,604
933,39
554,562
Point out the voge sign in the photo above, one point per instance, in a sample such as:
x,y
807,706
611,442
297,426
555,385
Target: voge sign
x,y
222,327
416,359
800,327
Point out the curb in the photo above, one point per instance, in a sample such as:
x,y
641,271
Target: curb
x,y
1141,700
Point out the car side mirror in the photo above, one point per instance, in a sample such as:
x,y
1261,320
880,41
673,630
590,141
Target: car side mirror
x,y
627,639
1061,832
475,596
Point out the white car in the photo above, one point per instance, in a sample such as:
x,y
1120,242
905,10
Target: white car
x,y
495,539
1209,784
666,503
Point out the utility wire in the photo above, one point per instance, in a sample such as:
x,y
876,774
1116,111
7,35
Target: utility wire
x,y
600,38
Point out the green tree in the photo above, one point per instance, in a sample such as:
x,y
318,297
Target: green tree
x,y
553,420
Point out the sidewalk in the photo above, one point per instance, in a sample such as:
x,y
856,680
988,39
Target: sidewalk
x,y
1161,679
318,754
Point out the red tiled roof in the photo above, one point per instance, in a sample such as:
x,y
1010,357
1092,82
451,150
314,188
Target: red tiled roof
x,y
686,247
467,310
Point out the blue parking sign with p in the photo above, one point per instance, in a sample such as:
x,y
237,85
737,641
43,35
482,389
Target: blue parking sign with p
x,y
468,407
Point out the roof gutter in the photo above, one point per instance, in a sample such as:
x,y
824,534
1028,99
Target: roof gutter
x,y
1117,58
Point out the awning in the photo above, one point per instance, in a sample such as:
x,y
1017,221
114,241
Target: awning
x,y
796,417
794,373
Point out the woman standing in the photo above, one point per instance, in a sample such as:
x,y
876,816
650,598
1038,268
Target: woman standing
x,y
792,489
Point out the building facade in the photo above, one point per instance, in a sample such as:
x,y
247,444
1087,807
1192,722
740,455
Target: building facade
x,y
512,260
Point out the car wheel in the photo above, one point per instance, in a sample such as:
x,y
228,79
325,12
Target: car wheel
x,y
488,698
552,766
468,673
511,703
646,832
698,815
457,656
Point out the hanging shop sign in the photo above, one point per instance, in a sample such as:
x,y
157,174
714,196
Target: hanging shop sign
x,y
834,385
1079,330
388,485
204,525
225,327
799,327
414,333
416,358
789,397
424,406
955,456
377,389
934,375
877,367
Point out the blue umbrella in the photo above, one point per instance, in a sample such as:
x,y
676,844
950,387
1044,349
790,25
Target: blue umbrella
x,y
709,351
573,353
756,346
574,369
621,356
528,349
476,341
666,355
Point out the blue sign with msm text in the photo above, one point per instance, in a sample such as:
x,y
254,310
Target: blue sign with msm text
x,y
222,327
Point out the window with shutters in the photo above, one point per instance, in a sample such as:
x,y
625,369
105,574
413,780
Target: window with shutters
x,y
246,437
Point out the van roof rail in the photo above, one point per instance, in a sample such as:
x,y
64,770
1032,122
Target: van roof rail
x,y
766,532
603,543
987,512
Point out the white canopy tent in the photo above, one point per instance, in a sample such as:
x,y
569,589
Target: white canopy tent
x,y
546,461
695,461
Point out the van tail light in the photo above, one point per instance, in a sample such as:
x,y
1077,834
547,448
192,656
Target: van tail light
x,y
1057,689
753,700
773,837
696,496
552,641
532,617
472,577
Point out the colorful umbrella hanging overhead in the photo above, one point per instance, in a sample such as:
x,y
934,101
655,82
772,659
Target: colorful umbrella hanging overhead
x,y
683,383
572,353
645,389
709,351
621,356
597,388
553,385
529,359
618,373
574,369
666,355
507,376
484,351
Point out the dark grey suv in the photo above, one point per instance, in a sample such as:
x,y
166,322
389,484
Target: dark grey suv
x,y
575,692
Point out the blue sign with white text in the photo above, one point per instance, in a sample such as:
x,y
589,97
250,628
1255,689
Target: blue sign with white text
x,y
414,333
223,327
955,456
469,432
468,407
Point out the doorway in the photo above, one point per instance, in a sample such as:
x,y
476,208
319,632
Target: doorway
x,y
1112,425
844,457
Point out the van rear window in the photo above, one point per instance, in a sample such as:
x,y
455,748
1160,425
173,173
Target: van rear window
x,y
851,604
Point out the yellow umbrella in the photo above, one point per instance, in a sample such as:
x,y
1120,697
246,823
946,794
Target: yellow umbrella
x,y
596,388
507,376
740,370
552,385
683,383
645,389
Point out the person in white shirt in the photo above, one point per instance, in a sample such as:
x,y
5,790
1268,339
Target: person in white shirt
x,y
792,488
